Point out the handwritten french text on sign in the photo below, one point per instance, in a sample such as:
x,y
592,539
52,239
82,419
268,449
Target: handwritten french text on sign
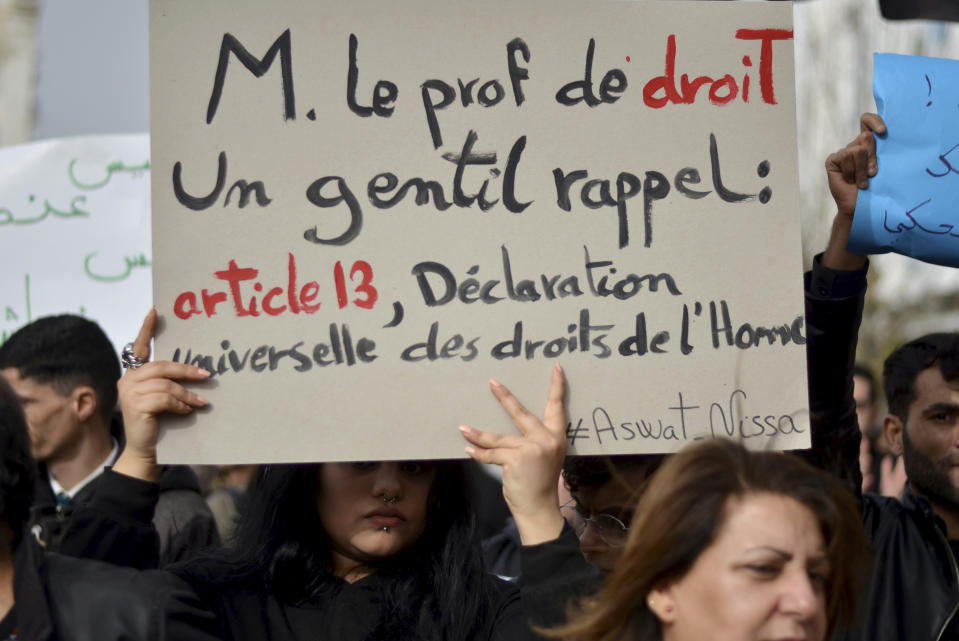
x,y
910,206
362,211
75,232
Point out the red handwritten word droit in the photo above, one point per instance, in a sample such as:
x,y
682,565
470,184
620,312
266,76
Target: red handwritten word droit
x,y
296,301
662,90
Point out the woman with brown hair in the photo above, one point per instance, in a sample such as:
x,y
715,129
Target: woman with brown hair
x,y
734,545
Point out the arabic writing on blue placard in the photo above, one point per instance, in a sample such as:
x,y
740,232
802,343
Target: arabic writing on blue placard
x,y
911,205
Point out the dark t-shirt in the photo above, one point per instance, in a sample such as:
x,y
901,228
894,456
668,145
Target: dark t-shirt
x,y
8,625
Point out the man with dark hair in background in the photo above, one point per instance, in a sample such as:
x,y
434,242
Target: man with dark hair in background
x,y
921,381
64,370
913,589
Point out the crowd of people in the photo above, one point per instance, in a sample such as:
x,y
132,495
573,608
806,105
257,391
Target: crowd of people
x,y
99,541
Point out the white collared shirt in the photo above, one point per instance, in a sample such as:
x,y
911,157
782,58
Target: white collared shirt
x,y
58,489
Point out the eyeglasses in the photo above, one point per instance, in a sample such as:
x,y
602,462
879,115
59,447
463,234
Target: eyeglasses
x,y
610,529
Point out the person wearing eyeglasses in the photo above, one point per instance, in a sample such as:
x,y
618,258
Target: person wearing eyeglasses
x,y
597,497
605,490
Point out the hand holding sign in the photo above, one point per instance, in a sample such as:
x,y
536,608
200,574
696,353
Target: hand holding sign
x,y
850,168
146,393
531,463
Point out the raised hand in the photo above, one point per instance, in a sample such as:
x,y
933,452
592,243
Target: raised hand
x,y
145,393
531,461
849,170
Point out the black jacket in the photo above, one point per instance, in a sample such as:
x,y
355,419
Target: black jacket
x,y
59,598
339,611
555,574
834,302
184,523
913,588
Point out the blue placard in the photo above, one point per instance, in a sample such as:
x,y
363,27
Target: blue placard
x,y
910,206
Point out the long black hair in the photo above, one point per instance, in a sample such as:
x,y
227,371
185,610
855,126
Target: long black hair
x,y
438,589
17,469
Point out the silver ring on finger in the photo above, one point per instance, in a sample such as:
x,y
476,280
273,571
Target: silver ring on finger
x,y
129,359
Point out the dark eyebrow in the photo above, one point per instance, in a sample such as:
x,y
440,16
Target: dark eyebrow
x,y
786,556
935,408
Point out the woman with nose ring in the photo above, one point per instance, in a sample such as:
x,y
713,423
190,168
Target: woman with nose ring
x,y
369,550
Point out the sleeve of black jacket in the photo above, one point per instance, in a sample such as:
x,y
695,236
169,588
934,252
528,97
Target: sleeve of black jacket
x,y
116,526
182,517
554,575
834,303
87,600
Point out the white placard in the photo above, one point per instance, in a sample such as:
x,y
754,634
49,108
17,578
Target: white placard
x,y
75,232
362,211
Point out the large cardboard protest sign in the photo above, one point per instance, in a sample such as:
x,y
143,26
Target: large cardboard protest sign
x,y
364,210
75,232
910,205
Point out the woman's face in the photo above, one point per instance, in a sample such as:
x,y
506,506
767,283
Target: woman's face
x,y
762,579
372,511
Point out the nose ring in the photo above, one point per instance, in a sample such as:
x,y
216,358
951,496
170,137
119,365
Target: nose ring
x,y
390,500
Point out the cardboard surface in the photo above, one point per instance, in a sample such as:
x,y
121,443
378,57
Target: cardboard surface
x,y
75,232
910,205
438,193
